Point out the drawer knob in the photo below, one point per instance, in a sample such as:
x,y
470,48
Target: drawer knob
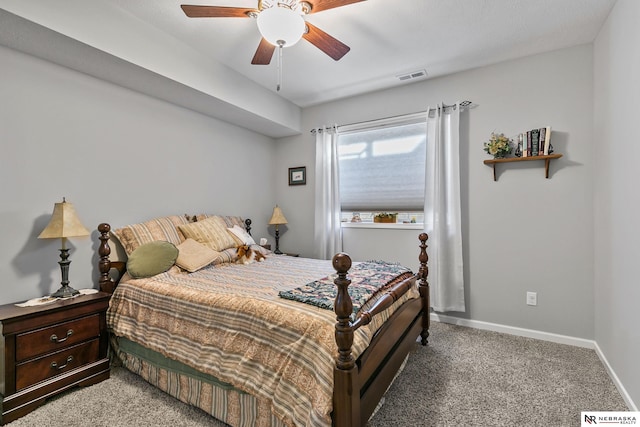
x,y
54,365
54,337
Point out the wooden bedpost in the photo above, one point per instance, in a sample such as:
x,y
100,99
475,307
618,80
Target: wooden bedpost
x,y
104,264
423,286
346,403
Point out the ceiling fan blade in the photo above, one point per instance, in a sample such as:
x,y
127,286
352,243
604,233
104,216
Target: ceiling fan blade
x,y
326,43
320,5
264,53
215,11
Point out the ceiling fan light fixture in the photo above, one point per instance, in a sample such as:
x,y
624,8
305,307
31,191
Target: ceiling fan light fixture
x,y
281,26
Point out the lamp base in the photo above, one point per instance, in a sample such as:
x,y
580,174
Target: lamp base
x,y
65,291
277,251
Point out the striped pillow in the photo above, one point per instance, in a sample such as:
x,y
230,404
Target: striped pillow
x,y
211,232
226,256
163,228
230,221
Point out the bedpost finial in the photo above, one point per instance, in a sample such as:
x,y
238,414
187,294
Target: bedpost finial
x,y
341,262
104,228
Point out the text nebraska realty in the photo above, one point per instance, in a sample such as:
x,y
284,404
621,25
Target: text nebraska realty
x,y
610,419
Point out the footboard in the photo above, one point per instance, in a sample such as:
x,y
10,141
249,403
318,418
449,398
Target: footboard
x,y
359,385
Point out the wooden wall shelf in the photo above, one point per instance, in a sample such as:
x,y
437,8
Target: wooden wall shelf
x,y
547,160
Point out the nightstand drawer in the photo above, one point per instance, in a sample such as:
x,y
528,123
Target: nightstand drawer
x,y
37,370
56,337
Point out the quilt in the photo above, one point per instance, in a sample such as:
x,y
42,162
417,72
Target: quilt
x,y
229,321
367,278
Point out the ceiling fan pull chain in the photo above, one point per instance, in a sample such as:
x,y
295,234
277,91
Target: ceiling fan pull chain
x,y
280,45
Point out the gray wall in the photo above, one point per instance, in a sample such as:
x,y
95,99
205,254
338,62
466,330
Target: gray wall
x,y
119,157
523,232
617,201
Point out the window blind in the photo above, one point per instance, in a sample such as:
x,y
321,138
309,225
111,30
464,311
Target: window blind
x,y
383,169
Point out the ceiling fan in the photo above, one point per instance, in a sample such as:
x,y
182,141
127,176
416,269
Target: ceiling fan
x,y
281,24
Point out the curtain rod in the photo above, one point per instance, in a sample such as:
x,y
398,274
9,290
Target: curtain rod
x,y
463,105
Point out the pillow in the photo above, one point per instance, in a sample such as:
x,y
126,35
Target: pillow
x,y
192,256
211,232
163,228
230,221
151,258
227,256
261,249
243,238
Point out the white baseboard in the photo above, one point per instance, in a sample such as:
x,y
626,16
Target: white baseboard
x,y
623,392
545,336
512,330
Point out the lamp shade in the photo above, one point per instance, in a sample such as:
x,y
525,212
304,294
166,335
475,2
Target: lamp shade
x,y
278,217
281,26
64,223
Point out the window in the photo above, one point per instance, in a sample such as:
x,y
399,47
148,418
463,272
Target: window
x,y
382,169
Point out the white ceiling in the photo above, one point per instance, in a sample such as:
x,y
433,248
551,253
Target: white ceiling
x,y
387,38
204,64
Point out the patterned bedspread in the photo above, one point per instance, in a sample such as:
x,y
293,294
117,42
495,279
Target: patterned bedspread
x,y
228,321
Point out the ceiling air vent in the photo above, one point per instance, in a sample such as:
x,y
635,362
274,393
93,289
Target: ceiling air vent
x,y
412,75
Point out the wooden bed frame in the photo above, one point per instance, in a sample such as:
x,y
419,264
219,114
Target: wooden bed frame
x,y
358,384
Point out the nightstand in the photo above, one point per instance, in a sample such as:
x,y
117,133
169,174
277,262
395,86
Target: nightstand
x,y
268,246
50,348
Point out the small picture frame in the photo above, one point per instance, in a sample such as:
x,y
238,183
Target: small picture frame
x,y
298,176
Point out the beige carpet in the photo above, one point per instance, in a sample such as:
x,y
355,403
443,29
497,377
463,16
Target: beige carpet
x,y
465,377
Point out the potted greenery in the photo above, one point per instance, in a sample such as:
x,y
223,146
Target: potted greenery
x,y
385,217
499,146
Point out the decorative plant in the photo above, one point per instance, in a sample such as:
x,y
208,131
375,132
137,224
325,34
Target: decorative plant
x,y
498,145
386,215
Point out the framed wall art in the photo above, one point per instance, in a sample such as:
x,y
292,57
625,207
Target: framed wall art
x,y
298,176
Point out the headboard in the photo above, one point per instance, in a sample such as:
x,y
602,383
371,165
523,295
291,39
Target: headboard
x,y
107,266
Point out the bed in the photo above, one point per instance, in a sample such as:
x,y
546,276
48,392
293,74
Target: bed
x,y
273,343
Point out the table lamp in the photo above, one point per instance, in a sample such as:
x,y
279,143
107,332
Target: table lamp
x,y
277,219
64,223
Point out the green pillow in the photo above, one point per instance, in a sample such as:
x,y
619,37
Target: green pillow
x,y
151,258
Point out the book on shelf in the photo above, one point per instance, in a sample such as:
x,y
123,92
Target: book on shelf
x,y
547,140
536,142
543,132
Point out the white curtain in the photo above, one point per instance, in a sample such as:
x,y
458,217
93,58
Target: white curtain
x,y
442,209
328,234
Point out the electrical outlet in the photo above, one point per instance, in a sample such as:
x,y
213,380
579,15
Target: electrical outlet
x,y
532,298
